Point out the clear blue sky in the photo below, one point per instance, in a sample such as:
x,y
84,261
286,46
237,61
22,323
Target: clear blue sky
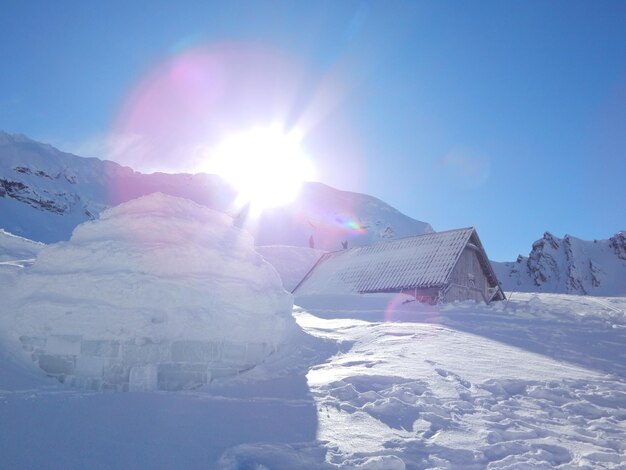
x,y
510,116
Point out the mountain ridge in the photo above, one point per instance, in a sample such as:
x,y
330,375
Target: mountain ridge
x,y
45,193
568,265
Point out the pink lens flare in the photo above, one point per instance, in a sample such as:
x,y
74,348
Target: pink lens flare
x,y
182,108
406,306
195,98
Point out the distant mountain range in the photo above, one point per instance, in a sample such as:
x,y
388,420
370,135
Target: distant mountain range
x,y
45,193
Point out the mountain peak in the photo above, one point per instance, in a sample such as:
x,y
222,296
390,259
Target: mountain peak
x,y
5,137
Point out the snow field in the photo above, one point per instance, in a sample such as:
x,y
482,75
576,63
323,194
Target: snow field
x,y
472,386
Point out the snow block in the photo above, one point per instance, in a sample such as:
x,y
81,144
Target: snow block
x,y
255,352
100,348
194,351
56,365
88,383
68,345
143,378
89,366
32,343
222,372
182,376
115,375
145,353
233,353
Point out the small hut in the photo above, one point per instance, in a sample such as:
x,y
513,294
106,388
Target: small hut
x,y
435,267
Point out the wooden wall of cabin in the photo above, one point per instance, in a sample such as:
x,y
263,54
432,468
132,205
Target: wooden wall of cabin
x,y
467,281
427,296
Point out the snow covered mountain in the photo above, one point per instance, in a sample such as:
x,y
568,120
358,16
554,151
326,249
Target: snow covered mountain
x,y
568,265
45,193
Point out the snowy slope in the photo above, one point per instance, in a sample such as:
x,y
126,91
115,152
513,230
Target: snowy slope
x,y
14,248
569,265
328,217
45,193
291,262
157,287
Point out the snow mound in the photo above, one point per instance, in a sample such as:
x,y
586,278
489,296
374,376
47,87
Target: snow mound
x,y
159,293
291,262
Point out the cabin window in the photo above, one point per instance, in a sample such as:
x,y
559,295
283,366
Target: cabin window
x,y
471,280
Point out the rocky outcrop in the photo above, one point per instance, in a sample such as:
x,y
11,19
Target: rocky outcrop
x,y
568,265
541,265
618,243
40,199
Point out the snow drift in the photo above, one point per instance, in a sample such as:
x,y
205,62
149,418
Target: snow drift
x,y
159,293
14,248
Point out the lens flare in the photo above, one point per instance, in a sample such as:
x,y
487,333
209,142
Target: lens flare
x,y
408,308
197,97
265,165
197,102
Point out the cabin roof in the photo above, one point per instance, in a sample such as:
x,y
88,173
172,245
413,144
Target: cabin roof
x,y
421,261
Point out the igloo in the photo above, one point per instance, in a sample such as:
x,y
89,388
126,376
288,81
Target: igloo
x,y
158,293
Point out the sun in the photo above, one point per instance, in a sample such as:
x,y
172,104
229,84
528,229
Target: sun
x,y
265,166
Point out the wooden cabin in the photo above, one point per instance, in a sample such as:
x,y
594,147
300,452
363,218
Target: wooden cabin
x,y
435,267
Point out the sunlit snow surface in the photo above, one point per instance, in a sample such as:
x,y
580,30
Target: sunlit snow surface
x,y
539,382
377,383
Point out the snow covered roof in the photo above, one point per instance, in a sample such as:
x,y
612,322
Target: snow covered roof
x,y
422,261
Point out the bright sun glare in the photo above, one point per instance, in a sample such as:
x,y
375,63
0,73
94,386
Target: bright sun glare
x,y
266,166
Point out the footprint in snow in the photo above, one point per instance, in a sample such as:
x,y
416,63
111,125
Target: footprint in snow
x,y
452,376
